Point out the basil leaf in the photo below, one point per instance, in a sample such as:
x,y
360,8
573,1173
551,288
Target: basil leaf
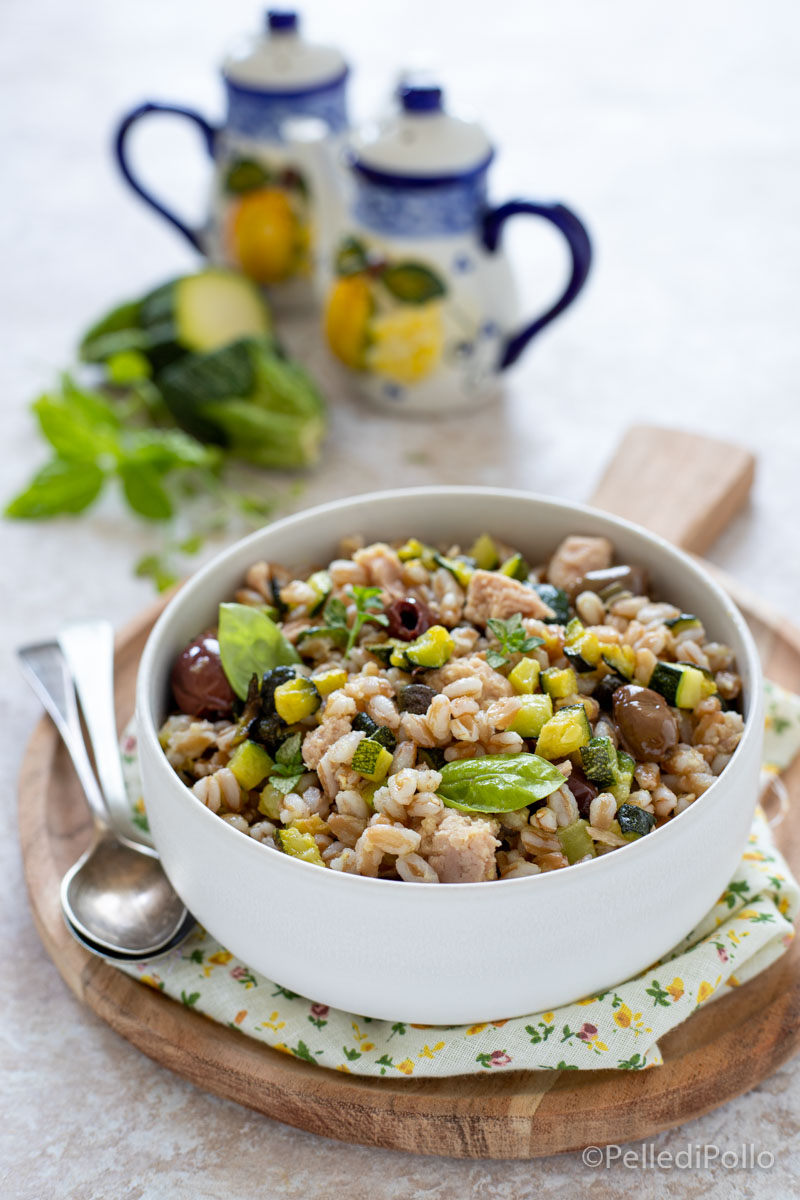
x,y
144,491
60,487
289,753
498,783
412,283
284,783
250,642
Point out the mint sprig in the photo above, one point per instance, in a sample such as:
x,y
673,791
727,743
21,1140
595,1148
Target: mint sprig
x,y
513,639
369,607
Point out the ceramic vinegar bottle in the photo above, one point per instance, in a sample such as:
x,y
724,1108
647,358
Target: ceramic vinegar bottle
x,y
263,214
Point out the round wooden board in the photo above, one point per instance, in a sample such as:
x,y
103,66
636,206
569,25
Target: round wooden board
x,y
518,1114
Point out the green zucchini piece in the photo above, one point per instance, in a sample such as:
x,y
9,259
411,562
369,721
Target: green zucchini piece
x,y
461,568
363,723
515,567
250,764
556,599
581,647
414,548
329,681
430,650
296,699
485,553
372,760
195,313
564,733
634,822
620,659
204,311
384,651
599,761
270,802
559,682
683,685
576,841
525,676
244,396
299,845
685,621
320,583
621,789
533,715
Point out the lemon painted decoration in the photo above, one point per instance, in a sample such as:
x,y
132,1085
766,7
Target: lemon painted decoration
x,y
385,317
268,226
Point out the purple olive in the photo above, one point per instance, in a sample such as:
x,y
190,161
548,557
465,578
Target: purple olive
x,y
199,684
647,726
408,618
583,791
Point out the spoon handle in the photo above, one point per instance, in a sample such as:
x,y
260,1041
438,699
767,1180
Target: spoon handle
x,y
88,647
46,671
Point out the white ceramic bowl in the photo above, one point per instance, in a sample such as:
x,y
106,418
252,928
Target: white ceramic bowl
x,y
459,952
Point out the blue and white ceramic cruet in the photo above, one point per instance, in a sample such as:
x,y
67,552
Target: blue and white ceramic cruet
x,y
419,297
263,213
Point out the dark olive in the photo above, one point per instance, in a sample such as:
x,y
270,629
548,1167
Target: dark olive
x,y
583,791
632,579
199,684
408,618
604,690
363,723
647,727
416,698
273,679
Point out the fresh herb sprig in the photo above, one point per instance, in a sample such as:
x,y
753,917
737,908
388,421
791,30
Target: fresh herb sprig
x,y
513,639
97,438
288,767
369,607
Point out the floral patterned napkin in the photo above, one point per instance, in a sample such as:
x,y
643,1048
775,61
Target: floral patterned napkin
x,y
749,927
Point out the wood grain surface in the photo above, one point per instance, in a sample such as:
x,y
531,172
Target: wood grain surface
x,y
681,485
721,1051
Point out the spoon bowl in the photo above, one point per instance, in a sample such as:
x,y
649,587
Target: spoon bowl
x,y
119,898
116,899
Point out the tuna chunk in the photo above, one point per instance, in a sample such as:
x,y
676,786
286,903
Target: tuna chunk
x,y
493,595
382,566
574,557
322,738
461,850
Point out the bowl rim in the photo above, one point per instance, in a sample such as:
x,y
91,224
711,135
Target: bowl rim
x,y
147,729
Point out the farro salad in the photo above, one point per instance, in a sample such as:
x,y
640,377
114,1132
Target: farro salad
x,y
436,715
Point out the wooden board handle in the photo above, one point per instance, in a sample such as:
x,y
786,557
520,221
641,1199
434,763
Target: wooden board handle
x,y
684,486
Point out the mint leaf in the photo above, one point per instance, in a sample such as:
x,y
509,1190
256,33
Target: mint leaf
x,y
289,756
513,639
59,487
71,431
144,490
152,567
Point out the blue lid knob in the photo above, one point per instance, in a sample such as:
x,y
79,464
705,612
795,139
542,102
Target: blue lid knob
x,y
421,98
281,20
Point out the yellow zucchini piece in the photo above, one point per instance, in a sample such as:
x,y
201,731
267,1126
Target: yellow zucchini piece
x,y
299,845
296,699
534,714
564,733
250,764
329,681
524,676
371,760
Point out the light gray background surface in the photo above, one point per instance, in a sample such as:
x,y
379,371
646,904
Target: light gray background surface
x,y
673,129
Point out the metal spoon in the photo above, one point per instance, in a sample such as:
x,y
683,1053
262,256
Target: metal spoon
x,y
116,896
